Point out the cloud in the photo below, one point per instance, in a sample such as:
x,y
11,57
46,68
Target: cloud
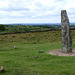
x,y
4,4
35,10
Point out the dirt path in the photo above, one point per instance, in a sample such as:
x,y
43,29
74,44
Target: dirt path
x,y
59,53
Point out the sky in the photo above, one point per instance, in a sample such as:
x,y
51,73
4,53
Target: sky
x,y
35,11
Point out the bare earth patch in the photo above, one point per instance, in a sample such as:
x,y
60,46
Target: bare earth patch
x,y
59,53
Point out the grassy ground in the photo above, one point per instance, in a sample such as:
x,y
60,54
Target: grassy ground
x,y
26,59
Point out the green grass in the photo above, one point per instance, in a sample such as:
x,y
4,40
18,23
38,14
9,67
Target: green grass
x,y
36,37
26,59
24,28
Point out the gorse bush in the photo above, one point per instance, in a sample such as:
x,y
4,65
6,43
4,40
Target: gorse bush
x,y
2,27
23,28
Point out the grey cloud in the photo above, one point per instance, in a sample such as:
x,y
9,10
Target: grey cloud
x,y
10,14
14,9
43,7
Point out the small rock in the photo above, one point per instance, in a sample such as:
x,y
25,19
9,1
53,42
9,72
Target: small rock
x,y
41,51
2,69
9,45
37,57
14,47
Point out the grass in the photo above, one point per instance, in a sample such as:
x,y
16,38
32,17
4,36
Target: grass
x,y
36,37
26,59
25,28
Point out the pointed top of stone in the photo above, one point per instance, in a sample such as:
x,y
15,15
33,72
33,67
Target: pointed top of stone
x,y
64,17
63,12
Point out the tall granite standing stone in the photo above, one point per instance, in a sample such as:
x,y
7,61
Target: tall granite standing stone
x,y
66,37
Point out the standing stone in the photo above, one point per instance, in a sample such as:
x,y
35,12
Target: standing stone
x,y
66,37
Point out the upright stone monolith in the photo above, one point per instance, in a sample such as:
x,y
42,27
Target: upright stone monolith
x,y
66,37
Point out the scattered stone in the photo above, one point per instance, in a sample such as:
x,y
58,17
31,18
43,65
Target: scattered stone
x,y
2,69
66,37
14,47
36,57
9,45
41,51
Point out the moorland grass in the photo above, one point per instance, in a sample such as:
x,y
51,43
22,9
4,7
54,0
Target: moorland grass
x,y
26,59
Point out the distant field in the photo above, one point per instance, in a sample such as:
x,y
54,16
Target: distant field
x,y
26,59
26,28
